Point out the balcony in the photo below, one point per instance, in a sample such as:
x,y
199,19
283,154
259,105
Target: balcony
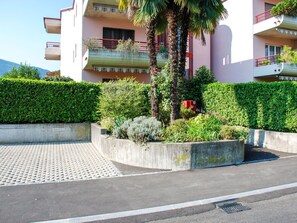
x,y
52,51
275,26
52,25
269,66
103,8
105,57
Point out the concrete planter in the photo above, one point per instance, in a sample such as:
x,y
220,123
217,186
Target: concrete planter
x,y
171,156
30,133
279,141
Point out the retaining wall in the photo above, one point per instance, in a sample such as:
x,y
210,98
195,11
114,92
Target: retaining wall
x,y
30,133
171,156
280,141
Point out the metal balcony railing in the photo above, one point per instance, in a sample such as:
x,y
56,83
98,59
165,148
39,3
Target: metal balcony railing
x,y
52,45
263,16
267,60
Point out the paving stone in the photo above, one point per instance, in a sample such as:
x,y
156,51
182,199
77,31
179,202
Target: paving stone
x,y
52,162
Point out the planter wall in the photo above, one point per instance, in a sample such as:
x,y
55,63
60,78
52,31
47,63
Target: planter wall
x,y
30,133
280,141
171,156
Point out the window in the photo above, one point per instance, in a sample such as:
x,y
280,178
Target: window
x,y
116,34
268,6
271,51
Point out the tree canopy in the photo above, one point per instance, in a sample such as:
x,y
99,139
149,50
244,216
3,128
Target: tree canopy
x,y
23,71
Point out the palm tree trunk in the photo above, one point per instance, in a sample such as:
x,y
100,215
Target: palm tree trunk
x,y
150,31
172,17
182,51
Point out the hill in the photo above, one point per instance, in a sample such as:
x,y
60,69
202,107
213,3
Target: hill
x,y
6,66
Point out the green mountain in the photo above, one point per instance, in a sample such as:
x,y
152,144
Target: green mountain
x,y
6,66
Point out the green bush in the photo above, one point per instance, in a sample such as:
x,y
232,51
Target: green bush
x,y
285,7
234,132
124,98
140,130
186,113
260,105
24,71
193,87
32,101
108,123
177,131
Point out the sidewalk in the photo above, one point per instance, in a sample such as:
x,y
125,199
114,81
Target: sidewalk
x,y
39,202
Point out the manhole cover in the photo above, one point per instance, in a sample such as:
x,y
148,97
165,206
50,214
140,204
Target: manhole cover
x,y
230,208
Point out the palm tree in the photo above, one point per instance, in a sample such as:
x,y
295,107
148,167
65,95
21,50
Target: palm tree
x,y
145,13
199,17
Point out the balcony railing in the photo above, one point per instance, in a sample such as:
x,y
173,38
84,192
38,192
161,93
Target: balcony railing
x,y
52,45
263,16
268,60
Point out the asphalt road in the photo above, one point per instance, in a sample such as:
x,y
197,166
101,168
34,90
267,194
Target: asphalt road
x,y
277,210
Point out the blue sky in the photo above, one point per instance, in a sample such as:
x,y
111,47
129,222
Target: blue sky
x,y
22,35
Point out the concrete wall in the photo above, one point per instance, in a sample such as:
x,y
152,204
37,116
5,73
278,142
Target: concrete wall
x,y
280,141
30,133
172,156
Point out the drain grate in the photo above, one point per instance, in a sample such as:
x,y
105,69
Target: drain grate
x,y
230,208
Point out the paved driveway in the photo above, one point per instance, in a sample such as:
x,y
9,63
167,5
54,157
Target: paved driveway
x,y
52,162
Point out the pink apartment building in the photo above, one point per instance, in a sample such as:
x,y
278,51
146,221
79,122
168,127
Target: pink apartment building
x,y
243,48
100,20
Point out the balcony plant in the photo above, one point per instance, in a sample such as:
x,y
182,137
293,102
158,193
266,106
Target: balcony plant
x,y
285,7
128,46
91,43
288,55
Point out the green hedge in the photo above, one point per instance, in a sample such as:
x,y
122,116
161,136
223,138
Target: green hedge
x,y
30,101
124,98
270,106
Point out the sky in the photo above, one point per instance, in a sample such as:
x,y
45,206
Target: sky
x,y
22,33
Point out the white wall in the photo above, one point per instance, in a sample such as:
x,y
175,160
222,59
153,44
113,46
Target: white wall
x,y
232,44
201,53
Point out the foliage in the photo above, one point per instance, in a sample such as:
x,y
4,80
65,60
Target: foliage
x,y
193,87
108,123
163,51
128,46
140,130
204,127
32,101
260,105
57,78
91,43
23,71
177,131
163,93
124,98
285,7
234,132
288,55
186,113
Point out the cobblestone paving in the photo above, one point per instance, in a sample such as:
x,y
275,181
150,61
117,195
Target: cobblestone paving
x,y
52,162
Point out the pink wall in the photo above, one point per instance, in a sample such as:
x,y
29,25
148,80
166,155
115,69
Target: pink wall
x,y
201,54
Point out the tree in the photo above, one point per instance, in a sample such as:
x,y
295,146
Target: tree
x,y
23,71
145,13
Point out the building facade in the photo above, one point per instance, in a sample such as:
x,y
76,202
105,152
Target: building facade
x,y
90,31
244,48
246,45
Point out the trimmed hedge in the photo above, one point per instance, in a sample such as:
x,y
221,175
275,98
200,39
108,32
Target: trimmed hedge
x,y
30,101
261,105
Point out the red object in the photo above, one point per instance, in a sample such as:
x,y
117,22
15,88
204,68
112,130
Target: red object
x,y
191,104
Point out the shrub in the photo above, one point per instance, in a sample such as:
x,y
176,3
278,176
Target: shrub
x,y
163,91
204,127
120,130
186,113
32,101
234,132
193,87
285,7
128,46
260,105
108,123
140,130
288,55
124,98
177,131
